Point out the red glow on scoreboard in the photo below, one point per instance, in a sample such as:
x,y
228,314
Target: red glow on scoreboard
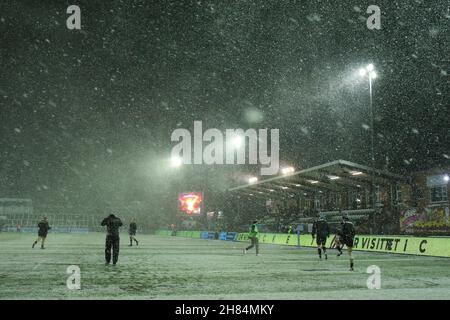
x,y
190,202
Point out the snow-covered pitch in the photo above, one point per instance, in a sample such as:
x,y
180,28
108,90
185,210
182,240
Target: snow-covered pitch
x,y
180,268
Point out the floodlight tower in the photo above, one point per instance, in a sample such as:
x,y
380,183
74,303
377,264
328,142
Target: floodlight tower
x,y
369,72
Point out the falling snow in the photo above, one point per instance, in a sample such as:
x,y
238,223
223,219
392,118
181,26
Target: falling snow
x,y
96,107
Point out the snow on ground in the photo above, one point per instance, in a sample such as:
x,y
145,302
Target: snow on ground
x,y
179,268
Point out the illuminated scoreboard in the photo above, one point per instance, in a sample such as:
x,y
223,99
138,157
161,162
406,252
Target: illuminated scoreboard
x,y
190,202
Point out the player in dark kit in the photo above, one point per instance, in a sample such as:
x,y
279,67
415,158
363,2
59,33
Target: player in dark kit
x,y
347,236
338,240
321,231
42,232
112,224
132,233
338,244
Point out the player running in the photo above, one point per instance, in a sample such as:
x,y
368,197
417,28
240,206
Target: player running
x,y
347,236
321,232
112,224
338,240
338,244
132,233
42,232
253,236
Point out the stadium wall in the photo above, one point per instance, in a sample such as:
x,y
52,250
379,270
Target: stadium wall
x,y
422,246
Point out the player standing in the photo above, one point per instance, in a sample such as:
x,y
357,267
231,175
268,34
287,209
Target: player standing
x,y
132,233
42,232
253,236
112,224
321,231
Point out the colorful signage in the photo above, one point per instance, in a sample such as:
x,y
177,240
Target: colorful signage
x,y
190,202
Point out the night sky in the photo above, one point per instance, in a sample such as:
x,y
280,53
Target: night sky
x,y
86,115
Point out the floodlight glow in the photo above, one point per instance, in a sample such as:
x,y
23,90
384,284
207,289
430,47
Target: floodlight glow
x,y
284,188
333,177
271,190
446,178
298,185
370,67
356,173
176,161
287,170
362,72
313,181
237,141
373,74
252,179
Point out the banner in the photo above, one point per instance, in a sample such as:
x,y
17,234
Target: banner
x,y
231,236
425,221
163,232
242,237
228,236
405,245
204,235
424,246
207,235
